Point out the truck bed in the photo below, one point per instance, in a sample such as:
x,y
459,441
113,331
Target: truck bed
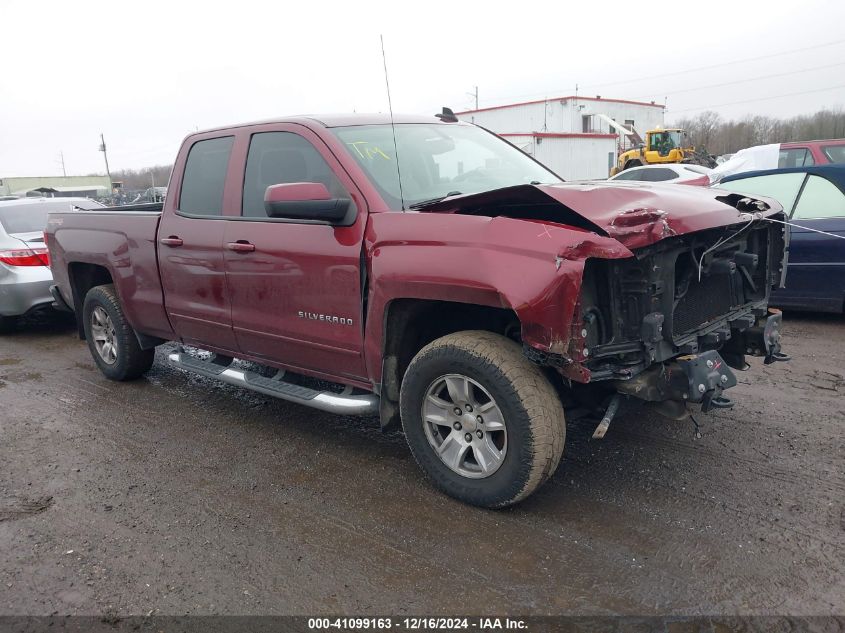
x,y
120,241
144,206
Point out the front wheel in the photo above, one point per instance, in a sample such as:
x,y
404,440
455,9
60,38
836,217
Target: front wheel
x,y
111,339
481,420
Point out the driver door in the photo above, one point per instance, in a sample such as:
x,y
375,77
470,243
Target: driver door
x,y
295,285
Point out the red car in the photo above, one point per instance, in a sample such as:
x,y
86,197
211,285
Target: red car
x,y
432,273
807,153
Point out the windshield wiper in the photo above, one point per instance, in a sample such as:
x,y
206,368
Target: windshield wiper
x,y
425,203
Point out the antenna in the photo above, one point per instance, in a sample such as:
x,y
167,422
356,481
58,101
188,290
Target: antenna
x,y
392,125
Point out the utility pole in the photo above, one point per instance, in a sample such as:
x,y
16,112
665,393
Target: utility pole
x,y
106,157
475,96
62,160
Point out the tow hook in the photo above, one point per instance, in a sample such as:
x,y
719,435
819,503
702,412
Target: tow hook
x,y
708,375
771,339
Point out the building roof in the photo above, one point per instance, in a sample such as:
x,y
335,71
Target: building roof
x,y
578,97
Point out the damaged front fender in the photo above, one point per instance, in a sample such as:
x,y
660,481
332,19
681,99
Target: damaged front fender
x,y
533,268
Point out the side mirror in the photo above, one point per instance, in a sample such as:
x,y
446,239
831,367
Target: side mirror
x,y
304,201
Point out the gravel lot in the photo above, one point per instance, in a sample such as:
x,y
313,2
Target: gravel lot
x,y
176,495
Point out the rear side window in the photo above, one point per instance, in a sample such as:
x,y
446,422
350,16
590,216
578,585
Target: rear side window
x,y
782,187
820,199
283,157
834,153
657,175
630,174
798,157
205,177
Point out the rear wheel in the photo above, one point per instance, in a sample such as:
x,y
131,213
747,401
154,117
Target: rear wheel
x,y
482,420
111,340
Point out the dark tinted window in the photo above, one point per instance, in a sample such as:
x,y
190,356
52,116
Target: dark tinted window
x,y
280,157
798,157
630,174
657,175
205,177
834,153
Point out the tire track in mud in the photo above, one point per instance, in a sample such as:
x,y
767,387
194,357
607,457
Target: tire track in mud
x,y
587,558
612,554
350,503
608,551
700,477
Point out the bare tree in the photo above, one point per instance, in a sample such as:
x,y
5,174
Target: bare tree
x,y
138,179
710,133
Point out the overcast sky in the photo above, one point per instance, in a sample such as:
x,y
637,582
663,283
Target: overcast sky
x,y
146,73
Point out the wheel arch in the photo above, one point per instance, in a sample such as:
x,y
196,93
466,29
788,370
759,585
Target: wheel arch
x,y
412,323
82,277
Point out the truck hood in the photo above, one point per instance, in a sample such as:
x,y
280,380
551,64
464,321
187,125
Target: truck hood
x,y
635,214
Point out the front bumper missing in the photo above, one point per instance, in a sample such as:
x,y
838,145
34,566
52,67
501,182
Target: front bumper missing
x,y
694,378
702,378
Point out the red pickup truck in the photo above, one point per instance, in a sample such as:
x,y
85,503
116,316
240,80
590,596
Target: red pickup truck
x,y
429,272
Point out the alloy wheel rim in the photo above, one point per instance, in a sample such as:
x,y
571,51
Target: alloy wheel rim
x,y
103,334
464,426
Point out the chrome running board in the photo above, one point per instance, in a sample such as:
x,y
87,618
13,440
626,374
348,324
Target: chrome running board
x,y
342,403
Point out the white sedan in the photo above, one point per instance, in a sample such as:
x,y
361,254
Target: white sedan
x,y
670,172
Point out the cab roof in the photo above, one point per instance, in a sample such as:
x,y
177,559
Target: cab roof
x,y
341,120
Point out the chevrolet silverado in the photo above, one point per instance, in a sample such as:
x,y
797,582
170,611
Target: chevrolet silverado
x,y
425,270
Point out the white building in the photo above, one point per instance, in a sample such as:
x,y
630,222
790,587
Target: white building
x,y
566,133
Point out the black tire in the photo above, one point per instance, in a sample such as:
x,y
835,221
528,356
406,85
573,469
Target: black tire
x,y
531,408
131,361
8,324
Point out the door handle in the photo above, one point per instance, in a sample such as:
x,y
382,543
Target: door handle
x,y
241,246
171,241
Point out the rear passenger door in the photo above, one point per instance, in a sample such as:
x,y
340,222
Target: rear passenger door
x,y
296,289
816,273
190,248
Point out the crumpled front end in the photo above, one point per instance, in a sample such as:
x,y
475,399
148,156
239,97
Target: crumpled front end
x,y
649,281
668,323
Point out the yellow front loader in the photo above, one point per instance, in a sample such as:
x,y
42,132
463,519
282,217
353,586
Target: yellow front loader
x,y
661,146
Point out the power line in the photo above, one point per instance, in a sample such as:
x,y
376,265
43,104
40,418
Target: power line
x,y
789,94
691,70
746,80
720,65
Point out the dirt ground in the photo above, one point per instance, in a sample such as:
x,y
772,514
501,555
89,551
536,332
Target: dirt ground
x,y
175,495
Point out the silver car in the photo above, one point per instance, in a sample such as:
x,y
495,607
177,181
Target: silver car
x,y
25,276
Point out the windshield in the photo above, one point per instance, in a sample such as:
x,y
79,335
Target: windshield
x,y
668,140
28,216
438,160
